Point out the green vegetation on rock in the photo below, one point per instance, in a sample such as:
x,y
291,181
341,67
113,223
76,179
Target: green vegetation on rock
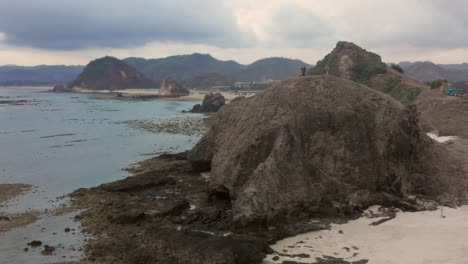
x,y
362,71
329,60
438,83
406,95
352,62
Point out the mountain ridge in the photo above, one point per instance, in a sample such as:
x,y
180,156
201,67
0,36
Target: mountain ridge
x,y
193,70
427,71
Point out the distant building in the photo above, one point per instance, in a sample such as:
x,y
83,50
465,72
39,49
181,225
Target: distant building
x,y
242,85
220,88
254,85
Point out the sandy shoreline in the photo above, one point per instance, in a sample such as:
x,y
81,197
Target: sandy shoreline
x,y
152,94
25,88
412,238
132,94
9,191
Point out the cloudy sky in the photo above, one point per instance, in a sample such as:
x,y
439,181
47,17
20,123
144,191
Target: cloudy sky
x,y
74,31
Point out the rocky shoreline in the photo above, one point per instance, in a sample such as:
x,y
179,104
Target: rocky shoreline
x,y
166,213
187,208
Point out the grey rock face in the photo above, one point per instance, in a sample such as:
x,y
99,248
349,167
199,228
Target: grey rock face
x,y
316,144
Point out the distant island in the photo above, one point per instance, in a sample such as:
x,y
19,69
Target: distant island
x,y
110,73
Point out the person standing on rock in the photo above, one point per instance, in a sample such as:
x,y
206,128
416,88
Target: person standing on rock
x,y
303,71
325,71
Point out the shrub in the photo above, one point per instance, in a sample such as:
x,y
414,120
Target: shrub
x,y
362,72
405,94
329,61
438,83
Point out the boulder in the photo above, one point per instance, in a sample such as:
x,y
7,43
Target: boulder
x,y
320,144
211,103
171,88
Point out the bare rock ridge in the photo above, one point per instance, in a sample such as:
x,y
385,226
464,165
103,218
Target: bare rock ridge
x,y
110,73
170,87
320,144
350,61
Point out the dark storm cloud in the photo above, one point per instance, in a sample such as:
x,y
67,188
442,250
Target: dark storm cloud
x,y
78,24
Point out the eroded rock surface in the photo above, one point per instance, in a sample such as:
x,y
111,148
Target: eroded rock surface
x,y
320,145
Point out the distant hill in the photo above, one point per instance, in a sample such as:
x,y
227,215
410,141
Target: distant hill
x,y
109,73
193,71
202,69
183,67
463,66
426,71
350,61
271,69
38,75
208,80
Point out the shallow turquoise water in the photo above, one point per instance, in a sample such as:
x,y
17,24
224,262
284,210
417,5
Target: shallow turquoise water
x,y
98,144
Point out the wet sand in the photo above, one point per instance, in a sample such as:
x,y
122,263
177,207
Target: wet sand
x,y
9,191
9,221
49,227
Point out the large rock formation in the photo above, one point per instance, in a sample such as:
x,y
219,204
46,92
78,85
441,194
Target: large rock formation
x,y
109,73
211,103
170,87
320,144
352,62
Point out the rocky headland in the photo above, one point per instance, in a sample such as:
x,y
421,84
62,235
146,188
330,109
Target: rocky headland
x,y
171,88
109,73
311,151
347,60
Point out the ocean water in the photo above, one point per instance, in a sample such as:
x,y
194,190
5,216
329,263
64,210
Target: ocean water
x,y
62,142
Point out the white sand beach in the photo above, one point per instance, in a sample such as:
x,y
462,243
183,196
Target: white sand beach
x,y
194,95
429,237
